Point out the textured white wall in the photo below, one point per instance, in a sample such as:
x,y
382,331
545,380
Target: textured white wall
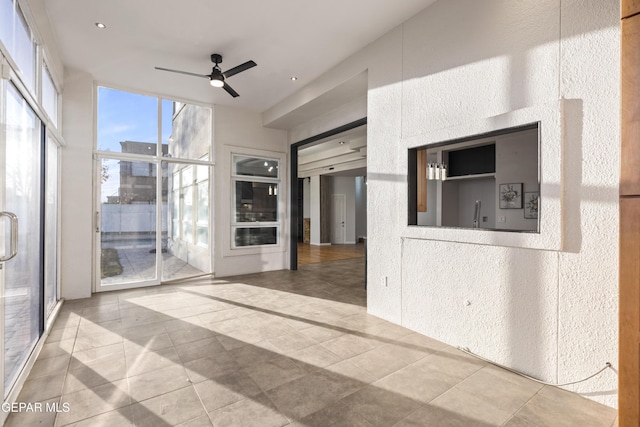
x,y
460,64
550,314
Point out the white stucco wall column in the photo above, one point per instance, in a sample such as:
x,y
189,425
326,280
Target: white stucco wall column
x,y
76,186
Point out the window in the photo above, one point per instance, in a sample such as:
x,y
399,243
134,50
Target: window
x,y
201,201
161,153
140,169
16,37
189,202
127,122
49,95
255,218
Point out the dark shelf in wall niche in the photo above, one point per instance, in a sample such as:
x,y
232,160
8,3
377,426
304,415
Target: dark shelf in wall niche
x,y
472,161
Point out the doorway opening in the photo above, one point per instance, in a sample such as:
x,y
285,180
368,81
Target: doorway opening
x,y
328,201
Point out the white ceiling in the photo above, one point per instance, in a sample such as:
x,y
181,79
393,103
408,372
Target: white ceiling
x,y
285,37
344,154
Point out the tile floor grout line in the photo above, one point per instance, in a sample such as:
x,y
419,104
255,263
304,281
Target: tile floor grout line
x,y
524,404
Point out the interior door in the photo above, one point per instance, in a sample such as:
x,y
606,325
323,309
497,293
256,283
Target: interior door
x,y
338,218
21,215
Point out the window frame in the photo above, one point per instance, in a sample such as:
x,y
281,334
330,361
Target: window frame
x,y
235,177
54,116
31,85
158,159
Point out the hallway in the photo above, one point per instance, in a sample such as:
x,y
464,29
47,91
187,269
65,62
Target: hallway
x,y
272,349
312,254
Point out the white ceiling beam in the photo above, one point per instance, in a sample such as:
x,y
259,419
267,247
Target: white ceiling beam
x,y
332,161
337,151
362,163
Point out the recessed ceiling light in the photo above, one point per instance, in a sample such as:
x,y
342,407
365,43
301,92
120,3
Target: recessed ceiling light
x,y
342,142
293,78
100,25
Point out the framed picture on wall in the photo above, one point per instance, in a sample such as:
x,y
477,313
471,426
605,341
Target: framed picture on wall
x,y
510,196
531,204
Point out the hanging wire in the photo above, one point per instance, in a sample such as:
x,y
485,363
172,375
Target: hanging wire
x,y
466,350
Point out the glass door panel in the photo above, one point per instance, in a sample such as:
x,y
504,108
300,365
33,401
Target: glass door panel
x,y
185,222
21,165
128,218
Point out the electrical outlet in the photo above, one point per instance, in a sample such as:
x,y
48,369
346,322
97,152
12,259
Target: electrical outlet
x,y
383,281
502,219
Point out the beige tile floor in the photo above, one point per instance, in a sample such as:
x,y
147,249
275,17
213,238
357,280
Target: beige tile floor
x,y
272,349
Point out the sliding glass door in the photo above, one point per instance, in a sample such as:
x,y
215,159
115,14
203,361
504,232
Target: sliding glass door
x,y
21,259
29,158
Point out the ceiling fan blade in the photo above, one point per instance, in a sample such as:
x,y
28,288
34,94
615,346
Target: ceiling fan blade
x,y
181,72
240,68
230,91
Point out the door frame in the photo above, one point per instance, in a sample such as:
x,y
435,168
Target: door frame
x,y
293,184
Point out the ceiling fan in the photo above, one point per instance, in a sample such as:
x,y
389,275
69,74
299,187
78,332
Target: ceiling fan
x,y
217,76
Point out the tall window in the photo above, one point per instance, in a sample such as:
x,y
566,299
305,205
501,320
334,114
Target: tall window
x,y
16,37
190,204
49,95
154,188
255,220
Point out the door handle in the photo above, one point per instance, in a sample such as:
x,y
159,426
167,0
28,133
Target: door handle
x,y
13,245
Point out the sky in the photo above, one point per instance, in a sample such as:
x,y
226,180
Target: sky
x,y
124,116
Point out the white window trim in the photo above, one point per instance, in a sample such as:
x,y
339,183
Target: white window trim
x,y
229,225
235,225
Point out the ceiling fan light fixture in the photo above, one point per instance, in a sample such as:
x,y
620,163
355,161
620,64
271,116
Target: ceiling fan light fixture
x,y
215,82
217,79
